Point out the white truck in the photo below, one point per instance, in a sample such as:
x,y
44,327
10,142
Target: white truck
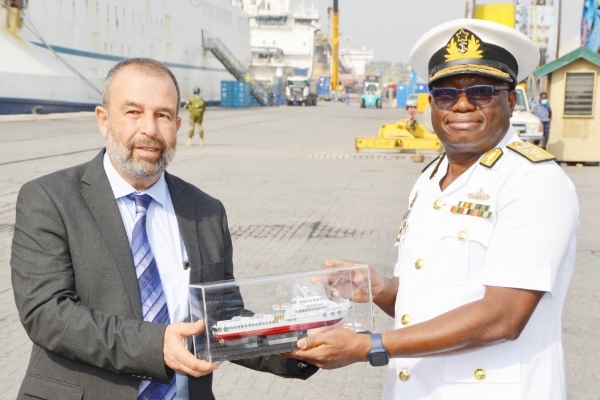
x,y
299,91
527,125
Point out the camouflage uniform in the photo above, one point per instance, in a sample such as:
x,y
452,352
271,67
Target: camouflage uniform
x,y
196,106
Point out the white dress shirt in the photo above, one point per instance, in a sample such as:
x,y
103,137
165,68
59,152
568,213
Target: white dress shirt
x,y
446,260
165,241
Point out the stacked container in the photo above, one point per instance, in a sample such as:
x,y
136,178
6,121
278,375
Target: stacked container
x,y
235,94
402,92
324,86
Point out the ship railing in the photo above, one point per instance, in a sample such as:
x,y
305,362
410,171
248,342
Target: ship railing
x,y
235,67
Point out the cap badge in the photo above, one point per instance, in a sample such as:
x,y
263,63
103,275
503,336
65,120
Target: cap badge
x,y
463,44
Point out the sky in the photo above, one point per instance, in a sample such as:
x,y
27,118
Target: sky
x,y
391,27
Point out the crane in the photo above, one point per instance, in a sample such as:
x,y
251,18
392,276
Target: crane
x,y
335,48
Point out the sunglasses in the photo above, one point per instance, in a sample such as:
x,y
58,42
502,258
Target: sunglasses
x,y
479,95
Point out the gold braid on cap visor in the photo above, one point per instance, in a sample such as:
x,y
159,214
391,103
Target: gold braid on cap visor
x,y
484,69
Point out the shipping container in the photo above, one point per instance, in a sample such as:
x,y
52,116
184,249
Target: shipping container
x,y
235,94
324,86
402,92
420,88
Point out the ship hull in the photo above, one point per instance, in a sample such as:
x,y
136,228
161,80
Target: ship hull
x,y
275,330
14,105
87,39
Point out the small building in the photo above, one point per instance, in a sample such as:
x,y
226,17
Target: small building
x,y
573,88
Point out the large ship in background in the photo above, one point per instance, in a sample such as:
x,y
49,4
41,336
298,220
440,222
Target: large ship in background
x,y
56,53
282,39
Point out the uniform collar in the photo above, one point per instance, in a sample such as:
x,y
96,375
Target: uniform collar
x,y
122,188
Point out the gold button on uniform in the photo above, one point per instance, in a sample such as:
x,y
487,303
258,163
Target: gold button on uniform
x,y
419,263
479,374
405,319
404,375
462,236
438,204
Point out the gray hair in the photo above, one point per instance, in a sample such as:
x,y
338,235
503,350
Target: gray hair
x,y
147,66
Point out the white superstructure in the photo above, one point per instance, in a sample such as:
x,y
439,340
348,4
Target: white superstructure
x,y
282,38
88,37
355,59
300,314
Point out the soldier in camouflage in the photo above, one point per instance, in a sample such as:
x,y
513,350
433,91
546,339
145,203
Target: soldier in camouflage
x,y
196,106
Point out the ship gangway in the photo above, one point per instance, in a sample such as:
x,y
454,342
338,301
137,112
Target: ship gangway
x,y
235,67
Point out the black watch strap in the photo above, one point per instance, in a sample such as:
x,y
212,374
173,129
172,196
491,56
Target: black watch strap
x,y
378,356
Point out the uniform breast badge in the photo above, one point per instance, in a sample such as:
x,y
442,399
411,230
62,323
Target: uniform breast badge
x,y
404,224
481,195
531,152
491,157
474,209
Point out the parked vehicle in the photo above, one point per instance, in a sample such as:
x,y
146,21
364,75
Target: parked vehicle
x,y
371,97
411,100
299,91
527,125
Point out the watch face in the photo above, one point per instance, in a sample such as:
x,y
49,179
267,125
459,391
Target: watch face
x,y
379,359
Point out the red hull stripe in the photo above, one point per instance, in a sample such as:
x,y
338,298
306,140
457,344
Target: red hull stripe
x,y
276,330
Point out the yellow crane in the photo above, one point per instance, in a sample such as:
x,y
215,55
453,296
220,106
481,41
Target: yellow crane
x,y
335,48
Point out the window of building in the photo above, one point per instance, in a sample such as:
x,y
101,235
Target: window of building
x,y
579,93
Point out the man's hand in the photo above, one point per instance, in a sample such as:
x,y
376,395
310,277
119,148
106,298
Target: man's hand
x,y
355,286
178,357
333,349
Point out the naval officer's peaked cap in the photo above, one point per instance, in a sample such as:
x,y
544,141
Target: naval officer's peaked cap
x,y
472,46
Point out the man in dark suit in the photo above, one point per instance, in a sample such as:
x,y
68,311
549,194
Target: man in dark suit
x,y
98,254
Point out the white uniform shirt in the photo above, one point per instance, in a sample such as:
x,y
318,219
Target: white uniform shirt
x,y
528,242
166,243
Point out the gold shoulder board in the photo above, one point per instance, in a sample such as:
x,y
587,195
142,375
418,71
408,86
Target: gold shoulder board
x,y
491,157
531,152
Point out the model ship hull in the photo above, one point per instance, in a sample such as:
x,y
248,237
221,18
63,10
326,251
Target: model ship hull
x,y
275,330
299,315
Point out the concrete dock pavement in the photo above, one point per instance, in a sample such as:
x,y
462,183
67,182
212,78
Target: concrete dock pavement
x,y
296,193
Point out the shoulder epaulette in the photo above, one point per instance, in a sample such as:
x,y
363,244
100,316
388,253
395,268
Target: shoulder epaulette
x,y
531,152
490,158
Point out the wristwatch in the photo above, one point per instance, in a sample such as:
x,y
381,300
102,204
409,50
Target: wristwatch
x,y
378,356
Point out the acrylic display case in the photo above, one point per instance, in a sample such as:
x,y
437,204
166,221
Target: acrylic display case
x,y
267,315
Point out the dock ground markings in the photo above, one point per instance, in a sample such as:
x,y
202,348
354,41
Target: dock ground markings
x,y
296,194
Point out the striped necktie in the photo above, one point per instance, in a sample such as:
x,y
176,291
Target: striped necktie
x,y
154,304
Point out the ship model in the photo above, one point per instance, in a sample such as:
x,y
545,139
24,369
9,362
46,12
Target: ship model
x,y
299,315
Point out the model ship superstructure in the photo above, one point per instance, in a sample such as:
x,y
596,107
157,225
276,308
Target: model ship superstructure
x,y
299,315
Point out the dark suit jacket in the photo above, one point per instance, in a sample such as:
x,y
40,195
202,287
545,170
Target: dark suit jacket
x,y
77,293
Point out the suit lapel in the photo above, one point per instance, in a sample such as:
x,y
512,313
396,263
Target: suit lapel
x,y
98,194
185,210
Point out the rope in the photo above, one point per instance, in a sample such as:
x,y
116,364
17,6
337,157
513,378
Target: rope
x,y
29,25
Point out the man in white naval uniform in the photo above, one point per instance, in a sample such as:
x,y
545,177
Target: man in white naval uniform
x,y
486,249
